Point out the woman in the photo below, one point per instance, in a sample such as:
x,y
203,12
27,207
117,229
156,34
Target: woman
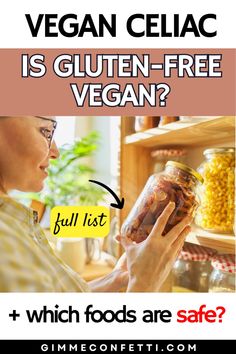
x,y
27,262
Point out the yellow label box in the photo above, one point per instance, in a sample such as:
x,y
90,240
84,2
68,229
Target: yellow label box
x,y
80,221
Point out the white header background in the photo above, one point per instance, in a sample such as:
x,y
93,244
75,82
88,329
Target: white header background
x,y
15,32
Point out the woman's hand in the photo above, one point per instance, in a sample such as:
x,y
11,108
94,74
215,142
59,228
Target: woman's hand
x,y
150,261
121,272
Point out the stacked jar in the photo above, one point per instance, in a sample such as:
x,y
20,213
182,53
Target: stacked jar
x,y
192,269
222,278
161,156
216,211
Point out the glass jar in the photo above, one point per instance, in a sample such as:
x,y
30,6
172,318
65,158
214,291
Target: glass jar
x,y
161,156
195,119
176,183
216,212
142,123
192,269
222,278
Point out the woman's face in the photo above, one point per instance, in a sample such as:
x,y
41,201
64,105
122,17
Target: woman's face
x,y
25,152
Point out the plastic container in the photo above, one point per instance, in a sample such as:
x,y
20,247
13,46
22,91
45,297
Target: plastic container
x,y
216,212
142,123
176,183
192,269
222,278
161,156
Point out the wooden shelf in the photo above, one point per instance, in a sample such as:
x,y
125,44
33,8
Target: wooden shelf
x,y
221,243
218,130
137,165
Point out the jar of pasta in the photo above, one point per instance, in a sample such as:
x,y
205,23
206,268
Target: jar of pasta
x,y
177,183
192,269
216,211
222,278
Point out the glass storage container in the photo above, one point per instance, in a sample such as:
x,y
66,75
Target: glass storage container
x,y
167,119
176,183
216,212
192,269
161,156
142,123
222,278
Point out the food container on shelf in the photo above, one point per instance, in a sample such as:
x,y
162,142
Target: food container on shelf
x,y
142,123
192,269
177,183
167,119
222,278
216,212
161,156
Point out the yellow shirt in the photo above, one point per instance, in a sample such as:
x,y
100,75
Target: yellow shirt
x,y
27,261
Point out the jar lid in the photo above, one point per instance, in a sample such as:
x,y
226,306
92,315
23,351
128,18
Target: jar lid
x,y
220,150
225,262
187,169
192,252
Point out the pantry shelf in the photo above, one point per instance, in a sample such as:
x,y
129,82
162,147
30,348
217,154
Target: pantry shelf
x,y
137,164
218,130
219,242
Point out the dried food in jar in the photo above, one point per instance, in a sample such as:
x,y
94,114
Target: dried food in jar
x,y
216,212
176,184
161,156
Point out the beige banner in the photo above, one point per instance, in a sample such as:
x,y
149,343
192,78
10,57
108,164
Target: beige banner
x,y
52,95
